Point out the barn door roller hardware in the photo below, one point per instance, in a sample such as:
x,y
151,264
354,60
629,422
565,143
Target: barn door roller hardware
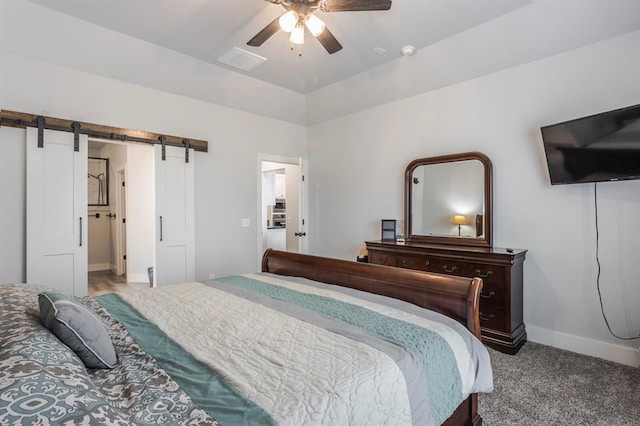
x,y
76,136
163,141
22,120
40,122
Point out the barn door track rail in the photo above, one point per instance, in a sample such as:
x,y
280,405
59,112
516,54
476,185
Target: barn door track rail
x,y
23,120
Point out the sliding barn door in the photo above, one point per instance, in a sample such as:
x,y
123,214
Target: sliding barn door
x,y
57,211
175,230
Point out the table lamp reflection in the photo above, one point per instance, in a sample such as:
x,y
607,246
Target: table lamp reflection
x,y
459,220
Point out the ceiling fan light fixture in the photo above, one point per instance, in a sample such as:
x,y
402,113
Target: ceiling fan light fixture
x,y
288,21
315,25
297,34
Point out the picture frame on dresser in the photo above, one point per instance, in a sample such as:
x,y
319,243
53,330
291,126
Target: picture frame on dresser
x,y
432,245
388,230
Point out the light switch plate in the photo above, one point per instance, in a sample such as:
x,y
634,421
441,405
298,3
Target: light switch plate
x,y
245,222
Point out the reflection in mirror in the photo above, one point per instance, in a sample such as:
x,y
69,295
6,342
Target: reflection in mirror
x,y
447,198
98,178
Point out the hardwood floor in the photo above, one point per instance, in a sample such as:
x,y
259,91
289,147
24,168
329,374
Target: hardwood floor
x,y
101,282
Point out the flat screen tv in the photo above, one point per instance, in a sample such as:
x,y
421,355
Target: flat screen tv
x,y
597,148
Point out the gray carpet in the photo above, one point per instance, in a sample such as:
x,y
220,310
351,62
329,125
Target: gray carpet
x,y
542,385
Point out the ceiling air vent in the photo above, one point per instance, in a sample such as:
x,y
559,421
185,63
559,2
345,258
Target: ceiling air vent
x,y
242,59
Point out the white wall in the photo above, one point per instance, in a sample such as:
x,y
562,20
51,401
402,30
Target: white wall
x,y
226,176
357,164
12,204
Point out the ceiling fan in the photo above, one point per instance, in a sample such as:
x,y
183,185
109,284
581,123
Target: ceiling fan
x,y
300,13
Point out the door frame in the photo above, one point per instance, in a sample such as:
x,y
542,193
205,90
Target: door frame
x,y
121,213
298,161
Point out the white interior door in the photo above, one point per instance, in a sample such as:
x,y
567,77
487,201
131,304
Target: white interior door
x,y
294,233
175,230
303,217
57,212
120,224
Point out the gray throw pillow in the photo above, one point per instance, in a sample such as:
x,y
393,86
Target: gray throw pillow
x,y
77,328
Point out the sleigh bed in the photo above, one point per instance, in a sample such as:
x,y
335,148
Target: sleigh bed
x,y
309,340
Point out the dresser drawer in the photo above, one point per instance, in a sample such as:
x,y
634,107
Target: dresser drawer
x,y
492,294
492,317
420,263
489,273
382,258
447,267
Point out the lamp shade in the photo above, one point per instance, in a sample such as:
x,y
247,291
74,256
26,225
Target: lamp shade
x,y
288,21
315,25
297,35
459,220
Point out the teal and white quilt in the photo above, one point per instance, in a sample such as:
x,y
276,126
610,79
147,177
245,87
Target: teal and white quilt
x,y
267,349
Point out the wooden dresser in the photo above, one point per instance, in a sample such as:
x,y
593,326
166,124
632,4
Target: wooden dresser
x,y
500,269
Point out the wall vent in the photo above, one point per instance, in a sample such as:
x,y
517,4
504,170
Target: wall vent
x,y
239,58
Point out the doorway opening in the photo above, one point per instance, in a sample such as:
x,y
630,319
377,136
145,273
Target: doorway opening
x,y
108,263
281,204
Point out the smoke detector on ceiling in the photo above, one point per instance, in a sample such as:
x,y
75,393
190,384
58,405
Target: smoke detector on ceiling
x,y
408,51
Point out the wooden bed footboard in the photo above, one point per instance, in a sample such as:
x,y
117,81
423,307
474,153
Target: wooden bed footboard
x,y
455,297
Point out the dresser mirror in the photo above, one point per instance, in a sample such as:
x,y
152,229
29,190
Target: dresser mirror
x,y
448,200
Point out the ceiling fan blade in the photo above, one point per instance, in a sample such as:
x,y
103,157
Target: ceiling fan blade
x,y
328,41
353,5
265,33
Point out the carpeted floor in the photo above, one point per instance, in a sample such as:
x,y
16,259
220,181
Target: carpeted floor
x,y
542,385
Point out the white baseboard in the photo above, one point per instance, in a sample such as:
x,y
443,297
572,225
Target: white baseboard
x,y
609,351
99,267
137,278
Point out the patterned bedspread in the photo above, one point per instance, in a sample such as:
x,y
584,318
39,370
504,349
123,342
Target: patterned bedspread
x,y
43,382
253,349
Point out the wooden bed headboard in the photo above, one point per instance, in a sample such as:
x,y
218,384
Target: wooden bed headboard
x,y
455,297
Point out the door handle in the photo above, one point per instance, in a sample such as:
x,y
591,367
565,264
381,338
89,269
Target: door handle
x,y
80,231
300,234
160,228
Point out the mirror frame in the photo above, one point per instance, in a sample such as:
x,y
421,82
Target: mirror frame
x,y
487,241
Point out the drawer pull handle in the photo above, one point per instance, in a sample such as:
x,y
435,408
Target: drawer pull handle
x,y
426,263
449,271
481,275
491,316
488,296
407,264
